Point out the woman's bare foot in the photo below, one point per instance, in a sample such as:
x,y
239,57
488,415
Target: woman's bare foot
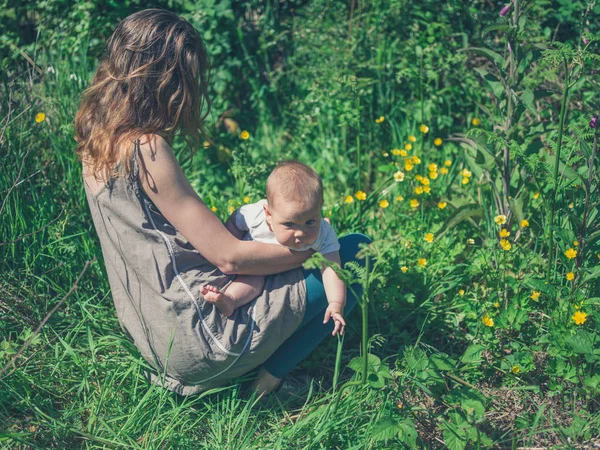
x,y
220,299
265,382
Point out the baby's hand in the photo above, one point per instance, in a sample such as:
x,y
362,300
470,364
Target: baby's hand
x,y
336,311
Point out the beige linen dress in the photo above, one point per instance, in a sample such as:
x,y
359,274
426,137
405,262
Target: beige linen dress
x,y
155,275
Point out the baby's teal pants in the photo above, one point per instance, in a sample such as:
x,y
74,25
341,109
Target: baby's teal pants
x,y
312,330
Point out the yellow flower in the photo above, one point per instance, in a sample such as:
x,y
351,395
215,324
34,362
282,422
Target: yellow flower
x,y
424,181
206,144
466,173
465,180
437,142
487,321
570,276
579,317
444,170
575,243
39,117
571,205
424,129
496,305
500,219
461,292
442,204
515,369
349,199
213,209
246,199
524,223
361,195
447,163
403,152
384,204
422,262
432,167
429,237
396,151
399,198
505,244
244,135
504,233
426,189
414,203
380,119
433,175
471,241
385,154
408,164
416,159
418,177
404,269
399,176
535,295
475,122
408,147
570,253
231,209
536,195
419,190
412,138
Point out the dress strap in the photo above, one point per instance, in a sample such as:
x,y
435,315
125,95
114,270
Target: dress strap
x,y
136,169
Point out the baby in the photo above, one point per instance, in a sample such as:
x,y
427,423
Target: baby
x,y
290,216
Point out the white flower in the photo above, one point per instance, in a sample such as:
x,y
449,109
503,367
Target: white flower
x,y
73,77
50,69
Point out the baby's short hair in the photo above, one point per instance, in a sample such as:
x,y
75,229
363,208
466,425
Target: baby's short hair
x,y
292,179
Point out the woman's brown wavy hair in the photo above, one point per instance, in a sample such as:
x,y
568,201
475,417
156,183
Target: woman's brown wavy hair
x,y
152,79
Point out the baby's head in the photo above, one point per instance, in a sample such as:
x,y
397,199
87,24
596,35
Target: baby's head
x,y
294,201
152,79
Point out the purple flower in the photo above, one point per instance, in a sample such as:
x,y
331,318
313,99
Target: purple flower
x,y
594,122
504,10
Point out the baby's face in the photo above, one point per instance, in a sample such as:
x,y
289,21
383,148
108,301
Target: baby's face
x,y
294,224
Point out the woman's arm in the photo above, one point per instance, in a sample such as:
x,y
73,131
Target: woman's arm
x,y
165,184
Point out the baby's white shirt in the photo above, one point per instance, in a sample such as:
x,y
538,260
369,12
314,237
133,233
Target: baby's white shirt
x,y
252,219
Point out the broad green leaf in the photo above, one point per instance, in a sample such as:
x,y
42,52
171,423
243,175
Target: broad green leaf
x,y
473,354
384,429
455,438
373,363
407,433
474,409
582,342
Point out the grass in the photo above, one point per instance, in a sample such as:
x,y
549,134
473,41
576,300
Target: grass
x,y
438,376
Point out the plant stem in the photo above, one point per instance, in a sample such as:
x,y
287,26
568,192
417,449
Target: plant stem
x,y
550,222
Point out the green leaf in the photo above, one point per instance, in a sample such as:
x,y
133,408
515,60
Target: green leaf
x,y
473,354
503,28
489,54
527,98
441,361
582,343
407,433
373,363
455,438
463,213
383,430
474,409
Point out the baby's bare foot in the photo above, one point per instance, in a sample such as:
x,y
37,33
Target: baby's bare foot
x,y
213,295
